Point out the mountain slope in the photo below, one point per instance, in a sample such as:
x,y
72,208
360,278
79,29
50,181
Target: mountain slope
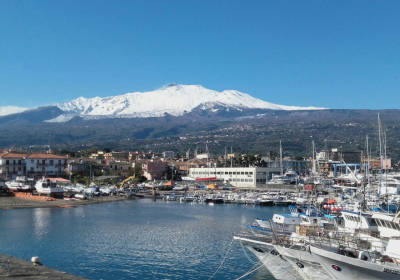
x,y
174,99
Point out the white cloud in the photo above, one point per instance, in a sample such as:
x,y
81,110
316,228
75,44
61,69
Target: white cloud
x,y
7,110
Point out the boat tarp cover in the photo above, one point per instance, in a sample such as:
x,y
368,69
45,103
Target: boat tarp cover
x,y
212,186
331,201
170,183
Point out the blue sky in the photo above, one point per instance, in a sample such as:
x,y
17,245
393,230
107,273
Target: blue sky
x,y
333,54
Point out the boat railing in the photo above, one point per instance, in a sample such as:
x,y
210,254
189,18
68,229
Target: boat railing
x,y
373,233
284,212
319,237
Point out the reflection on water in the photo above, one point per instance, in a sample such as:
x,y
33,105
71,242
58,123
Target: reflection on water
x,y
142,239
41,220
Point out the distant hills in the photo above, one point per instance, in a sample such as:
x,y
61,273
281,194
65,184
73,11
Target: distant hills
x,y
180,117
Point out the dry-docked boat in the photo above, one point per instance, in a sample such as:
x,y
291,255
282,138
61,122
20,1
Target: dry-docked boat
x,y
21,184
48,187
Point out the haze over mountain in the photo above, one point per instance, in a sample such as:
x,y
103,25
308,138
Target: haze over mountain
x,y
174,99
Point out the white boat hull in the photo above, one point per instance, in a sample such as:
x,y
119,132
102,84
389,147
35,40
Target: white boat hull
x,y
276,264
346,268
305,264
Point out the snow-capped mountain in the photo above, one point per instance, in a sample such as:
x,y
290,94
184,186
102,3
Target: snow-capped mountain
x,y
173,99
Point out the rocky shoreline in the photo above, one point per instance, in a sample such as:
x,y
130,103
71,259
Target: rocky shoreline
x,y
15,268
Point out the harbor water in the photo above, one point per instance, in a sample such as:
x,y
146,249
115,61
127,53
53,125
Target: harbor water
x,y
141,238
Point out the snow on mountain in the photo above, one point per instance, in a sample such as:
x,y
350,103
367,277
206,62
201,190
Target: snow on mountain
x,y
173,99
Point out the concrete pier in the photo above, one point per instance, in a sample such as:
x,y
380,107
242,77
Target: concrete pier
x,y
15,268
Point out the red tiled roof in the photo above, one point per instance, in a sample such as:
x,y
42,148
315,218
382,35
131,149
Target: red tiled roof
x,y
12,155
44,156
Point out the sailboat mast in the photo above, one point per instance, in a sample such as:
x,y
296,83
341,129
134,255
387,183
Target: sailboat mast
x,y
313,158
280,153
225,158
380,154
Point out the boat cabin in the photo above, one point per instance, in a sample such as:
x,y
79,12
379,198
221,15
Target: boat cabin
x,y
353,220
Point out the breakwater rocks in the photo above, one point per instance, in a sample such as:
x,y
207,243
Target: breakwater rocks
x,y
19,269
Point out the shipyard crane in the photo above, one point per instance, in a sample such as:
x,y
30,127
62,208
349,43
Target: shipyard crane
x,y
126,180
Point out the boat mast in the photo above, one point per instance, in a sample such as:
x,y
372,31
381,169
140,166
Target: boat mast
x,y
225,158
231,157
280,152
314,170
387,196
367,177
380,154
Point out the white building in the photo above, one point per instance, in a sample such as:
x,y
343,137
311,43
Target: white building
x,y
168,154
241,177
12,165
32,165
48,165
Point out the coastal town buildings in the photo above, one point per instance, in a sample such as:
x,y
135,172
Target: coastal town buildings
x,y
34,165
235,176
154,170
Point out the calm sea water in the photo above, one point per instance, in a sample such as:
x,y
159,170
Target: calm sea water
x,y
142,238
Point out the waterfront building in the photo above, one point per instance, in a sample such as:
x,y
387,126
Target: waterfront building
x,y
49,165
34,165
12,165
241,177
154,170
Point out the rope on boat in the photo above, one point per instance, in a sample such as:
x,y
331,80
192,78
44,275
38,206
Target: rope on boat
x,y
251,271
247,256
223,260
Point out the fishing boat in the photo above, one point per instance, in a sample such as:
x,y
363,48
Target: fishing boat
x,y
361,255
48,187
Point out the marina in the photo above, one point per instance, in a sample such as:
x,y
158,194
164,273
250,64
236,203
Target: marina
x,y
134,238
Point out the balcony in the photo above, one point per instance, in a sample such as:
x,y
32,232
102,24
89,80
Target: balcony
x,y
12,164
